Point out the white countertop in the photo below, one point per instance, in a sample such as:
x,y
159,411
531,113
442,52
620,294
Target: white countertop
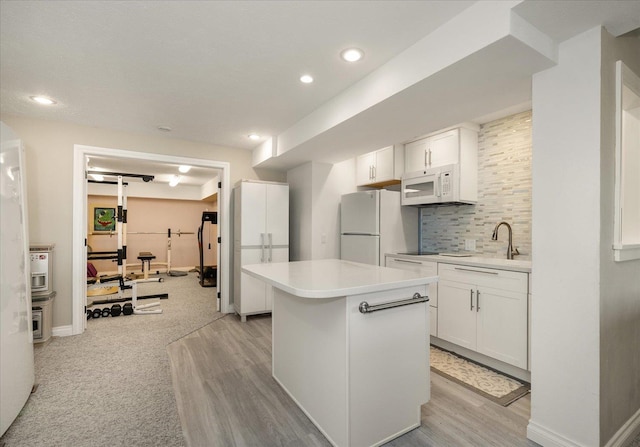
x,y
330,278
514,265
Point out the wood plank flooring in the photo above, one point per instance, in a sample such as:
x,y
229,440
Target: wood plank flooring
x,y
226,397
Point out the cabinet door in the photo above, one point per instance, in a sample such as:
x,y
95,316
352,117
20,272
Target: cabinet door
x,y
456,318
502,325
443,149
384,166
252,215
415,155
277,215
364,168
252,290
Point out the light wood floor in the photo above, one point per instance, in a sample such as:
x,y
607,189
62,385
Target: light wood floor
x,y
227,397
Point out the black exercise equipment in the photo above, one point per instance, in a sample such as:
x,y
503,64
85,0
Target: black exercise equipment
x,y
127,309
116,310
97,313
89,314
106,312
208,274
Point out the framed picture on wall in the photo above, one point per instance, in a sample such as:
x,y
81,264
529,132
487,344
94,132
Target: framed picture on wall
x,y
102,219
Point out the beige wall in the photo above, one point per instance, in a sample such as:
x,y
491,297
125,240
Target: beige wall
x,y
49,153
156,216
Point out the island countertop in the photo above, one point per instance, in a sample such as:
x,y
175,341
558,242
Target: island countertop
x,y
330,278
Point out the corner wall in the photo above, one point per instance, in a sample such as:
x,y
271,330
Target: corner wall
x,y
620,281
565,308
49,153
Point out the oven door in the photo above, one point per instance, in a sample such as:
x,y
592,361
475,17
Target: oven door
x,y
421,187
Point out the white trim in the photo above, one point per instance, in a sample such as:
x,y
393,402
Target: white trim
x,y
626,252
81,152
548,438
62,331
627,432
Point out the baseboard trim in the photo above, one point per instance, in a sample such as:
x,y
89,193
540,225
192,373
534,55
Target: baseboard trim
x,y
626,433
62,331
548,438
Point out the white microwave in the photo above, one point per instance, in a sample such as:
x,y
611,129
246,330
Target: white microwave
x,y
436,185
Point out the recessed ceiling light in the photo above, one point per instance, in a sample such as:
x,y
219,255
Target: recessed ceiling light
x,y
174,180
164,128
42,100
306,79
184,169
352,54
254,136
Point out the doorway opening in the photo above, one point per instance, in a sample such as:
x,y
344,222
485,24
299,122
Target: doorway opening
x,y
217,187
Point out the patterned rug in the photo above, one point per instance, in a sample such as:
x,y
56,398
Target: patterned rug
x,y
484,381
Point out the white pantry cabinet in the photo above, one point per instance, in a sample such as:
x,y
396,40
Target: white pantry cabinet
x,y
261,235
380,168
453,146
484,310
427,268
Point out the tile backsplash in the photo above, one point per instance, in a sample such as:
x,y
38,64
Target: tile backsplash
x,y
504,194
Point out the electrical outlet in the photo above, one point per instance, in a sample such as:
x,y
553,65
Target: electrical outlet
x,y
470,244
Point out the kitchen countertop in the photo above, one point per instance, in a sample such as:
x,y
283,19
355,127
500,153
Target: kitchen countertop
x,y
515,265
330,278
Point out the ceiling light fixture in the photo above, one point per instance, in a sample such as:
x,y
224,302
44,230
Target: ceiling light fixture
x,y
306,79
43,100
184,168
254,137
174,180
352,54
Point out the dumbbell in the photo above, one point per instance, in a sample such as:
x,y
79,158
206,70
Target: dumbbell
x,y
116,310
89,314
127,309
97,313
106,312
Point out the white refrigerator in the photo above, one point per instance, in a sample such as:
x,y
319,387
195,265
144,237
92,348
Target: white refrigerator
x,y
373,223
16,337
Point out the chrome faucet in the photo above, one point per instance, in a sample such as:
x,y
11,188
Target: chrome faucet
x,y
511,252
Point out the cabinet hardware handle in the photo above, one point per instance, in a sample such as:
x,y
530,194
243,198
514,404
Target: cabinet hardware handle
x,y
429,156
475,271
365,308
270,246
426,163
477,301
471,300
407,261
374,172
262,247
370,172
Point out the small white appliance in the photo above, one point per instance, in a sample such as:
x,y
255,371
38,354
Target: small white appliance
x,y
41,265
443,184
373,223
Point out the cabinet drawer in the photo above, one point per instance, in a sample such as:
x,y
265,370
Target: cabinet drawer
x,y
494,278
426,268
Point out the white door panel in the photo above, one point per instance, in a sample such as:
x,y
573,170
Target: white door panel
x,y
360,213
277,221
364,249
253,203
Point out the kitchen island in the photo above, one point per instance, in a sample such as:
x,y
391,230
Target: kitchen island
x,y
350,346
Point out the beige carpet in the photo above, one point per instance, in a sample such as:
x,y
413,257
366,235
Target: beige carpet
x,y
484,381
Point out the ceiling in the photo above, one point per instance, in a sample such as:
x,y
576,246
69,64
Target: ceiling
x,y
216,71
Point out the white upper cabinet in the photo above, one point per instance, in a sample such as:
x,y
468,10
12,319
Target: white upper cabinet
x,y
383,167
453,146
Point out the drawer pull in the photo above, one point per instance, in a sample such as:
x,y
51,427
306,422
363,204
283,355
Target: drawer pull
x,y
471,300
407,261
476,271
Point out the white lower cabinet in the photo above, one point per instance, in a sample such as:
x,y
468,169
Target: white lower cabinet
x,y
484,310
427,268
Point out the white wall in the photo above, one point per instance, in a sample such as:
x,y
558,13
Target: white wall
x,y
620,281
565,347
49,152
316,189
585,307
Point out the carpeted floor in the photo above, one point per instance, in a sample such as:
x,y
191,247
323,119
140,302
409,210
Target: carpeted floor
x,y
111,386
